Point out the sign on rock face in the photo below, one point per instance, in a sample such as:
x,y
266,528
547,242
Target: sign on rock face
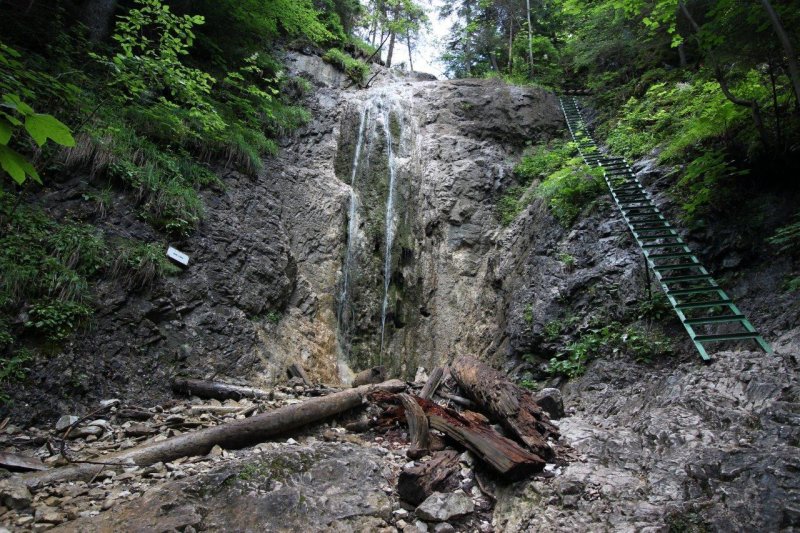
x,y
177,255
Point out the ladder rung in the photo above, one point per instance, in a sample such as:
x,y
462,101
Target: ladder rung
x,y
693,291
677,266
671,256
671,235
726,337
715,319
671,245
704,305
693,277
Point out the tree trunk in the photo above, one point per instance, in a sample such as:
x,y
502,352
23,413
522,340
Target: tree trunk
x,y
509,405
511,47
530,37
235,434
97,15
505,456
408,41
216,390
682,55
788,49
391,50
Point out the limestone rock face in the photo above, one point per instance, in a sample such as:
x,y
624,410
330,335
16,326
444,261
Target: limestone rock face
x,y
432,158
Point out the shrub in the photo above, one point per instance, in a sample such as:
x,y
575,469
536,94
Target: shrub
x,y
787,238
355,69
142,263
570,190
57,319
541,161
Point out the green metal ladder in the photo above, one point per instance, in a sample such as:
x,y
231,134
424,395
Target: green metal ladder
x,y
693,293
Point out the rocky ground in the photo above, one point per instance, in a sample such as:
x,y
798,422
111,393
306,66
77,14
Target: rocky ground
x,y
325,478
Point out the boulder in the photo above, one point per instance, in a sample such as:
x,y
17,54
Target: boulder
x,y
440,507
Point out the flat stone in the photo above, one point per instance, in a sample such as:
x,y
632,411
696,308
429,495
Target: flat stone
x,y
439,507
65,421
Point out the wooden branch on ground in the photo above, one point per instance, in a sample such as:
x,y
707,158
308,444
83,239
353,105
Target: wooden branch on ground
x,y
503,455
235,434
297,371
216,390
506,403
434,380
463,402
417,427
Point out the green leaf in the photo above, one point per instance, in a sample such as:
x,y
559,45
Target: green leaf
x,y
5,131
43,127
17,166
14,102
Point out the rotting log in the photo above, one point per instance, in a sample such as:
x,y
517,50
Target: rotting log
x,y
434,380
234,434
505,456
417,427
506,403
216,390
438,474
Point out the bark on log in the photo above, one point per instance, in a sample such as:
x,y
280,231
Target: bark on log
x,y
235,434
508,404
439,474
297,371
417,427
370,375
503,455
216,390
434,380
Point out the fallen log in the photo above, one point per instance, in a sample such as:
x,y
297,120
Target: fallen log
x,y
434,380
508,404
15,462
439,474
417,427
297,371
235,434
369,376
463,402
216,390
503,455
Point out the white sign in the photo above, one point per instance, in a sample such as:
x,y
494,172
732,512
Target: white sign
x,y
178,256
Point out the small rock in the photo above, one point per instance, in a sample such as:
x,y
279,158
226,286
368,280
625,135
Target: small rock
x,y
138,429
421,375
15,494
110,402
444,527
65,421
50,514
551,402
216,451
291,441
24,520
439,507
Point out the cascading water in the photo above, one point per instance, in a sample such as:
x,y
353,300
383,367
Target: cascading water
x,y
387,257
379,154
352,227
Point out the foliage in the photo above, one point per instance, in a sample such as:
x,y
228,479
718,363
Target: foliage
x,y
141,263
527,314
355,69
541,161
787,238
510,205
571,190
706,183
610,339
57,319
16,116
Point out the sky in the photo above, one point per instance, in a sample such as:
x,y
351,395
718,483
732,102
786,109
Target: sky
x,y
429,49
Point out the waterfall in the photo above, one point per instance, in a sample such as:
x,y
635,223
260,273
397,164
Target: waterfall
x,y
352,225
387,256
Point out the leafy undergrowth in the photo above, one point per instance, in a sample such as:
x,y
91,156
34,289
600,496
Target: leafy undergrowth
x,y
355,69
637,335
557,174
